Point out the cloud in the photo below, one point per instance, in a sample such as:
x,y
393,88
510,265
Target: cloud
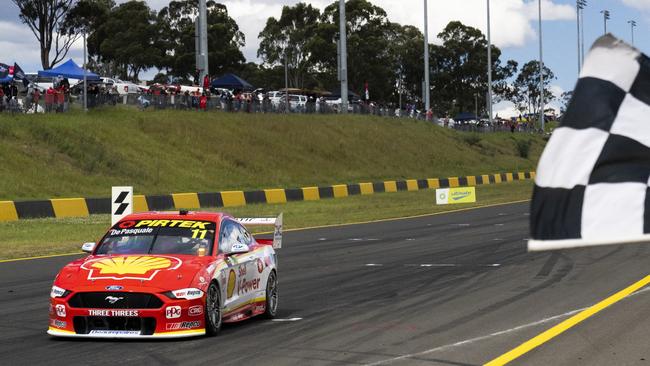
x,y
638,4
513,21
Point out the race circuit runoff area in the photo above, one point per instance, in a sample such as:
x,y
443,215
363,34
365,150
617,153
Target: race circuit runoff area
x,y
457,288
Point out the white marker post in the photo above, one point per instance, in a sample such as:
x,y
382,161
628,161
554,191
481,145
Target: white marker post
x,y
121,203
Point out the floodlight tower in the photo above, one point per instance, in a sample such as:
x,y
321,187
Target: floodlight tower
x,y
427,99
580,5
344,56
632,24
489,56
202,41
606,17
541,70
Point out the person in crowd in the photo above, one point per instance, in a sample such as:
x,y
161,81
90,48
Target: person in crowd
x,y
49,99
2,98
206,83
223,99
203,102
143,102
187,100
13,91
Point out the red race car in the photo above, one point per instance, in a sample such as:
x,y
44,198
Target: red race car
x,y
168,274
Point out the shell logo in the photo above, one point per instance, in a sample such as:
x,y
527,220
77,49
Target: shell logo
x,y
232,279
139,267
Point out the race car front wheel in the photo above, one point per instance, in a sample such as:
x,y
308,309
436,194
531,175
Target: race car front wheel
x,y
271,295
213,310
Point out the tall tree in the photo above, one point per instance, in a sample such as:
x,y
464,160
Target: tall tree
x,y
408,49
369,42
177,30
129,38
525,91
293,37
45,18
87,16
459,70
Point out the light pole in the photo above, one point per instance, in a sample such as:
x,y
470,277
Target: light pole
x,y
582,32
85,77
286,81
605,14
632,24
344,57
427,104
489,56
541,69
580,4
203,40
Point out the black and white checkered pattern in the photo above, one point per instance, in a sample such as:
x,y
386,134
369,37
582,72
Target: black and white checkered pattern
x,y
592,183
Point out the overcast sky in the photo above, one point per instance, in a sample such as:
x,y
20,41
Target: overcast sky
x,y
514,27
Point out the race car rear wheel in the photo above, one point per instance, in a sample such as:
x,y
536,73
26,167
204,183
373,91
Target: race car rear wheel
x,y
271,295
213,310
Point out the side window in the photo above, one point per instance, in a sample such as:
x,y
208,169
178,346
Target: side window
x,y
245,237
227,235
232,232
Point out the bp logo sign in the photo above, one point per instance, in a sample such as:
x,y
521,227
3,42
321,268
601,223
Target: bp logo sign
x,y
446,196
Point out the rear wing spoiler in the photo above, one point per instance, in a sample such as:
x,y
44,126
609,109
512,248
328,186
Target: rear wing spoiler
x,y
266,221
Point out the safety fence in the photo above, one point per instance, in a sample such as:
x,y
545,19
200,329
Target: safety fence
x,y
145,102
82,207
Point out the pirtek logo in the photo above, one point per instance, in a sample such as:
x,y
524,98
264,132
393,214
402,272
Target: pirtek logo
x,y
113,299
120,199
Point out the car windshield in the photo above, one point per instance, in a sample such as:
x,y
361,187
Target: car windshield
x,y
159,237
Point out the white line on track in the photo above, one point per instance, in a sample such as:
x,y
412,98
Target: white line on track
x,y
437,265
286,320
491,335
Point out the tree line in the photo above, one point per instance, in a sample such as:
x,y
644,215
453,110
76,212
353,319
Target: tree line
x,y
127,39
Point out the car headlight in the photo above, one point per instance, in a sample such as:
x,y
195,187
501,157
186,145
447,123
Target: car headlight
x,y
185,293
58,292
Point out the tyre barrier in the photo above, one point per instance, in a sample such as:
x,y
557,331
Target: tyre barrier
x,y
82,207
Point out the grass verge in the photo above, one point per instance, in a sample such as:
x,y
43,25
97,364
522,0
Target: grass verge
x,y
160,152
27,238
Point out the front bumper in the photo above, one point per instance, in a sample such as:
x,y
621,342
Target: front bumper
x,y
173,334
173,318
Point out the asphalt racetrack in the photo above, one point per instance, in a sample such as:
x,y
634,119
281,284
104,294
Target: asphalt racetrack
x,y
451,289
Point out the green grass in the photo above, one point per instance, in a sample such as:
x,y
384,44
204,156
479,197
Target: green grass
x,y
157,152
27,238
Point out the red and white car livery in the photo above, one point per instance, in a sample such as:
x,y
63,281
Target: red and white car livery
x,y
168,274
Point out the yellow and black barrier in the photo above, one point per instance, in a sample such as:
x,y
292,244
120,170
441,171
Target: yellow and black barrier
x,y
81,207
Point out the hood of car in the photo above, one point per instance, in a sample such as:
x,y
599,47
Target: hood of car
x,y
133,272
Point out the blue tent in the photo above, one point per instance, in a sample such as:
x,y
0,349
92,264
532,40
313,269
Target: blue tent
x,y
465,116
69,70
231,81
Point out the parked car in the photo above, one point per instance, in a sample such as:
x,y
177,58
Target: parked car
x,y
123,87
297,102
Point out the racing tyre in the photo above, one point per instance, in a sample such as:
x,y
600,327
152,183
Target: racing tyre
x,y
271,295
213,310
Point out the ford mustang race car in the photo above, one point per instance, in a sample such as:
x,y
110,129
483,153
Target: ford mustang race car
x,y
168,274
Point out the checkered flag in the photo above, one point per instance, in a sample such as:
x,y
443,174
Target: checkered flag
x,y
592,184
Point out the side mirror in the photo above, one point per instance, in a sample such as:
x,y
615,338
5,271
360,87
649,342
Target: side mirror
x,y
88,247
237,248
